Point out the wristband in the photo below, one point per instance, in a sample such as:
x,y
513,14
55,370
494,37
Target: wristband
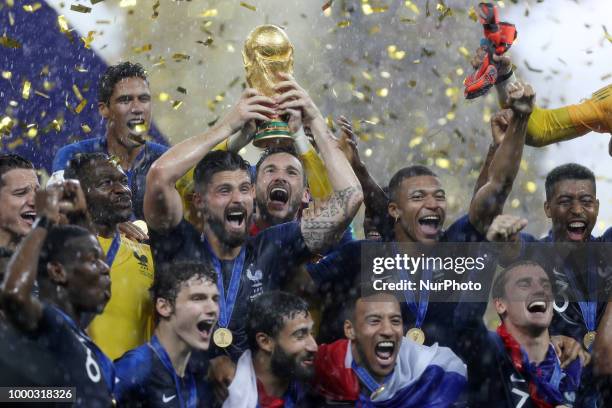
x,y
42,222
302,145
505,77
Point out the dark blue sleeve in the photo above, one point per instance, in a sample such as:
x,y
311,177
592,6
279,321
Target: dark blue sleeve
x,y
288,242
343,264
167,246
525,237
63,156
462,230
607,236
133,370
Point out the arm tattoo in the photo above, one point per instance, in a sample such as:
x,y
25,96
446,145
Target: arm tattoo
x,y
325,229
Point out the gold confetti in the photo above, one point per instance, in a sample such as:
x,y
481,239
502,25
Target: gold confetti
x,y
163,97
10,3
85,127
79,8
127,3
368,152
42,94
249,6
515,203
367,9
80,68
209,13
532,69
176,104
81,106
25,91
382,92
415,141
343,23
7,74
472,14
366,75
14,104
327,5
30,8
77,93
32,131
8,42
230,48
606,34
96,1
88,40
385,74
57,124
395,53
180,57
155,8
407,20
181,90
464,51
442,163
144,48
412,83
103,21
410,5
11,19
206,43
531,187
6,124
61,20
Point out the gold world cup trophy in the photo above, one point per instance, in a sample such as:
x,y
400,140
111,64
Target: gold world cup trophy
x,y
268,52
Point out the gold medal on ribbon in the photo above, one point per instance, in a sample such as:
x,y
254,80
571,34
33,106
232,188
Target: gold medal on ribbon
x,y
588,339
377,392
222,337
417,335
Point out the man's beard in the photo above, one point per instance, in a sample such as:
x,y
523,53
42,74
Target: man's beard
x,y
288,366
217,225
293,207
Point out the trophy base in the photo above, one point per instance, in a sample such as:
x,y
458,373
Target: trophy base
x,y
273,134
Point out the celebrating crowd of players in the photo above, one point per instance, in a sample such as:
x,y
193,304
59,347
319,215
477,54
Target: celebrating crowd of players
x,y
205,306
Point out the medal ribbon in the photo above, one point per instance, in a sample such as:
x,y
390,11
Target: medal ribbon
x,y
165,359
106,365
588,308
113,249
420,310
366,378
226,303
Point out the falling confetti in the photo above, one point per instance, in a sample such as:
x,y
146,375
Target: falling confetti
x,y
155,8
25,90
79,8
327,5
88,40
181,90
209,13
180,57
344,23
7,74
176,104
85,127
8,42
606,34
30,8
249,6
144,48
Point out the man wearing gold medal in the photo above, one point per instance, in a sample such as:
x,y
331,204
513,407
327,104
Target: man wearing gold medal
x,y
158,373
377,366
224,193
518,363
416,204
573,207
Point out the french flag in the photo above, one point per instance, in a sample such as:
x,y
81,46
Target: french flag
x,y
424,376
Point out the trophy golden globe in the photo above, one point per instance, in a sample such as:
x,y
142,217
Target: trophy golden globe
x,y
267,53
